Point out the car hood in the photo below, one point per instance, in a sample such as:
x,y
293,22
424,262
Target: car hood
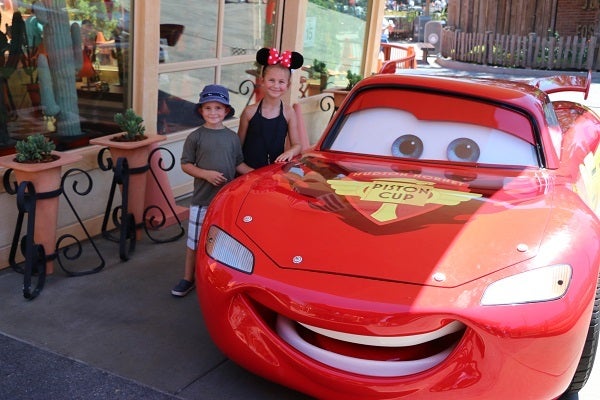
x,y
434,226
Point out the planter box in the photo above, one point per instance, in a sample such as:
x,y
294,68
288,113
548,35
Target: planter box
x,y
45,177
136,154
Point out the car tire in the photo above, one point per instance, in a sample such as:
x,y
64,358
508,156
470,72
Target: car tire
x,y
586,362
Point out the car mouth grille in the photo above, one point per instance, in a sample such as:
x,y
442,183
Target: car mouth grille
x,y
385,357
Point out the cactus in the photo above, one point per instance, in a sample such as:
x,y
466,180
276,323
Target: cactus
x,y
35,148
57,70
8,65
132,124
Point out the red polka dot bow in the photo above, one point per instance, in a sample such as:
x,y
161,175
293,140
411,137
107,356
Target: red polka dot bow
x,y
285,59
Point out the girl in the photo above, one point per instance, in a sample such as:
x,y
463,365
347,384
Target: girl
x,y
265,126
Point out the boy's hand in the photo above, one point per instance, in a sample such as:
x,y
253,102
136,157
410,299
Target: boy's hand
x,y
215,178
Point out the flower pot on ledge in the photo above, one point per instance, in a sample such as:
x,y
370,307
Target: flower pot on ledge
x,y
339,95
45,177
136,153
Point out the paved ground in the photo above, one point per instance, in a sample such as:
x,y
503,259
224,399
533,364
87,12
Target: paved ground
x,y
119,334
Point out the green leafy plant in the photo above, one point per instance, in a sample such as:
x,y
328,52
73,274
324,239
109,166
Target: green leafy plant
x,y
35,148
318,68
132,124
319,71
353,79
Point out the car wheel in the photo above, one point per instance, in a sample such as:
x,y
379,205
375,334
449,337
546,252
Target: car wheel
x,y
586,362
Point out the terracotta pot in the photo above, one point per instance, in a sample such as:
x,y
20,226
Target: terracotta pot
x,y
339,95
136,153
314,88
45,177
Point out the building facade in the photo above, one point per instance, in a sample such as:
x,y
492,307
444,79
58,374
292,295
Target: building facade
x,y
155,57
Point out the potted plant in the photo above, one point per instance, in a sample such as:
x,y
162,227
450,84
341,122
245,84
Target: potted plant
x,y
353,79
37,162
133,126
26,39
321,72
35,149
133,135
317,72
135,146
340,93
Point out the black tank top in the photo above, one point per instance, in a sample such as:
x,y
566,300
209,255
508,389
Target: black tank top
x,y
265,139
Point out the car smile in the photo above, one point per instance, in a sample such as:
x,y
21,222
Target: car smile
x,y
372,355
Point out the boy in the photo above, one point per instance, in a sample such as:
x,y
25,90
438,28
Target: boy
x,y
212,154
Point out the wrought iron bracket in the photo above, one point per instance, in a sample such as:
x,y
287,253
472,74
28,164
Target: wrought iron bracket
x,y
36,256
121,217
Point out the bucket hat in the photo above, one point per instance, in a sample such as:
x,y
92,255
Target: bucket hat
x,y
216,93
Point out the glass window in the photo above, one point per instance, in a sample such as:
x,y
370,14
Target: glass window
x,y
63,86
179,91
335,34
177,98
210,42
188,30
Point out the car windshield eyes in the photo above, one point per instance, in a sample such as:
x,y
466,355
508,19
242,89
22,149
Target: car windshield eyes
x,y
463,149
408,146
460,150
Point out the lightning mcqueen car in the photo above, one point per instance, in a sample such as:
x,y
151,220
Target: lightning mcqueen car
x,y
441,241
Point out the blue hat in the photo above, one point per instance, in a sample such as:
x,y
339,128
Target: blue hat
x,y
216,93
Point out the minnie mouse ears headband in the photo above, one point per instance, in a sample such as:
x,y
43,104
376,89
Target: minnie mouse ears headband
x,y
288,59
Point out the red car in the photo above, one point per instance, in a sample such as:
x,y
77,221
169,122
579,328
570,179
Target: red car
x,y
441,241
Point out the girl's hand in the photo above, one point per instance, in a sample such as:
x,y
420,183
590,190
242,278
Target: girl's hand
x,y
285,156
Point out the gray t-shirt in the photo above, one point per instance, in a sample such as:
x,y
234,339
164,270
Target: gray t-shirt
x,y
213,149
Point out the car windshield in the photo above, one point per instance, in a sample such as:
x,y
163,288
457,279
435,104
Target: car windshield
x,y
434,126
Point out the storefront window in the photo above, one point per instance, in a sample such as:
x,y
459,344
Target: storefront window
x,y
188,30
55,83
177,112
177,98
334,35
209,42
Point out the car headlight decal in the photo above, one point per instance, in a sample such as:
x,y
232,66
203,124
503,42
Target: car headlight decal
x,y
226,250
540,284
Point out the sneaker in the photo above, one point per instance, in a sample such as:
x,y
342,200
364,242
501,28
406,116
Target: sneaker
x,y
183,287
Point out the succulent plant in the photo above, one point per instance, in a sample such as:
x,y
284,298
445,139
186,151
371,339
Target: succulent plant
x,y
35,148
132,124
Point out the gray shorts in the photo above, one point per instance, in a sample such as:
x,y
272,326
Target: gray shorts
x,y
197,214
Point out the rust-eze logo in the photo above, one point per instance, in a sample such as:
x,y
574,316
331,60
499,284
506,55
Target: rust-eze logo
x,y
386,200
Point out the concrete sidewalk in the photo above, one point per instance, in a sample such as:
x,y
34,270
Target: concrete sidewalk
x,y
117,334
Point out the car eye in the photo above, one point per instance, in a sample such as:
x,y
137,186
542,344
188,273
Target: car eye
x,y
409,146
463,149
536,285
227,250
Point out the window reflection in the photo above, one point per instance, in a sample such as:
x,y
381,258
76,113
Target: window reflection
x,y
177,97
199,35
335,36
219,38
63,70
247,26
177,112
